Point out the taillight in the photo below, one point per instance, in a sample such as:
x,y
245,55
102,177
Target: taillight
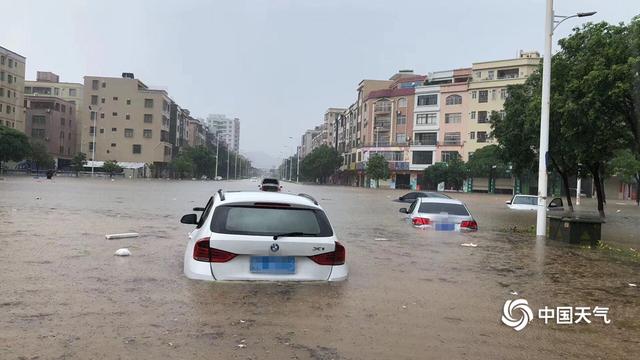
x,y
469,225
203,252
421,221
336,257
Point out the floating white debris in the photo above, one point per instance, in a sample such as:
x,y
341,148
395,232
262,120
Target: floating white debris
x,y
242,321
633,285
404,306
514,293
381,239
121,236
618,210
122,252
469,244
242,346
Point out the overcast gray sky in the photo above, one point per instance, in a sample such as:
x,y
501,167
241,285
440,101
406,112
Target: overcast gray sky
x,y
276,64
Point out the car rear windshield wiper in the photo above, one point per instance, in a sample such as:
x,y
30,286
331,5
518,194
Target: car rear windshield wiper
x,y
296,233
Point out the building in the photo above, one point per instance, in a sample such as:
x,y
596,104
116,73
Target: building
x,y
306,142
52,121
129,121
330,134
488,90
196,132
227,129
48,84
12,70
454,116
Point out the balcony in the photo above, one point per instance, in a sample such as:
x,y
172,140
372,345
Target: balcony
x,y
382,108
452,142
424,142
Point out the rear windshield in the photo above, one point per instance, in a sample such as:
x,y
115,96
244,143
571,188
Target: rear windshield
x,y
436,195
270,181
251,220
437,208
525,200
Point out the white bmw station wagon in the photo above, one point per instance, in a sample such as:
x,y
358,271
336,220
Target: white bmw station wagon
x,y
263,236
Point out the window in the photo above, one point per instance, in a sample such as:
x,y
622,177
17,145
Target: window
x,y
104,84
401,138
452,138
114,114
474,94
10,78
490,74
454,118
114,129
91,144
425,100
508,74
402,103
94,99
113,144
482,117
423,157
137,149
493,94
427,119
148,118
56,107
0,107
92,130
503,94
38,133
2,59
483,96
95,84
128,133
430,138
478,74
102,100
449,155
127,116
128,101
453,100
73,92
115,98
148,103
101,130
402,119
37,119
482,136
439,208
147,133
382,106
62,121
2,92
472,135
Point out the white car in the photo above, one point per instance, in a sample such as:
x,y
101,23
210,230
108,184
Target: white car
x,y
263,236
440,214
530,202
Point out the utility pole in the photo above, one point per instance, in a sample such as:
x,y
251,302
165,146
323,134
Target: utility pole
x,y
235,167
298,166
217,144
228,153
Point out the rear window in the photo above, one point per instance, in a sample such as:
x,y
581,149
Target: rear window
x,y
269,221
270,181
437,208
437,195
525,200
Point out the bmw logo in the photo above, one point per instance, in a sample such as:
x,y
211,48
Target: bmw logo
x,y
275,247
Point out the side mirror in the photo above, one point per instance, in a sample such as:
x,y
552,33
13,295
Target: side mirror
x,y
403,210
198,209
508,202
189,219
401,198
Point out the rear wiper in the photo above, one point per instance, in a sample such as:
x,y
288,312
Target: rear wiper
x,y
296,233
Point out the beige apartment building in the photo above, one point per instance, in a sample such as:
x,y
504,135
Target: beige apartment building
x,y
488,90
130,121
12,70
52,121
48,84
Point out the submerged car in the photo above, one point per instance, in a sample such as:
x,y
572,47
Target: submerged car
x,y
412,196
263,236
440,214
270,184
530,202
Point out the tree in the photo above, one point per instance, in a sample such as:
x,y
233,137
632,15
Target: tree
x,y
457,173
321,163
377,168
627,166
434,175
111,166
14,145
182,165
40,155
78,162
203,160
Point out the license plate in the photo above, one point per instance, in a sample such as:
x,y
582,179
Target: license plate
x,y
273,264
445,227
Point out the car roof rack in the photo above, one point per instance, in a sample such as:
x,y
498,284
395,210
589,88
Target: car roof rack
x,y
309,197
221,193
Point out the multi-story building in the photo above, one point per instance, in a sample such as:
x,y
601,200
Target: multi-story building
x,y
196,132
129,121
226,128
331,125
454,116
12,70
319,139
52,121
306,142
488,90
48,84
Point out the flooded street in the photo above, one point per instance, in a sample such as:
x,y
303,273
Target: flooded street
x,y
411,294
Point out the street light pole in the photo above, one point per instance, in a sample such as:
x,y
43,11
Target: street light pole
x,y
298,166
235,167
217,144
228,154
93,150
541,217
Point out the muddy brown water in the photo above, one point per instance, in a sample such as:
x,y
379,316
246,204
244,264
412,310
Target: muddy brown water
x,y
414,295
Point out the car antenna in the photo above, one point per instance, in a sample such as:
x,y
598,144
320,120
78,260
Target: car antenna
x,y
221,193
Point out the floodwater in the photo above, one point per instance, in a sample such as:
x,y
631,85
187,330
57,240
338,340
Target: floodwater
x,y
411,294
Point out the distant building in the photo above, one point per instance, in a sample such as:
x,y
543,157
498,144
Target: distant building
x,y
132,121
48,84
227,129
196,132
306,142
52,121
12,70
330,134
